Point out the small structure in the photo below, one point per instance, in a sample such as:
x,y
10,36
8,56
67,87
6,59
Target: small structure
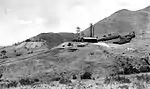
x,y
89,39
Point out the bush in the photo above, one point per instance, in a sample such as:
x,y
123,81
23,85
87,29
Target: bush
x,y
86,75
104,35
74,77
145,69
64,81
12,84
3,51
143,77
30,52
28,40
91,53
107,80
55,79
5,57
8,84
15,51
36,80
1,75
26,81
18,54
121,79
118,79
109,34
123,87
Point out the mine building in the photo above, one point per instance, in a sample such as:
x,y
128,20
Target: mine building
x,y
89,39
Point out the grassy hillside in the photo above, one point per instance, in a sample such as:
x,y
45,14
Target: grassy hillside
x,y
40,61
122,22
54,39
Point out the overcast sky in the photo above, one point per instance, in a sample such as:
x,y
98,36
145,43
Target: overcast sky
x,y
22,19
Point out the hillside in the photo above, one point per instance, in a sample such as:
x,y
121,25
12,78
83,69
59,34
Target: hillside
x,y
123,22
53,39
52,61
39,43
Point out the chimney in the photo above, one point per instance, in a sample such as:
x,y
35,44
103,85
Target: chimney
x,y
91,30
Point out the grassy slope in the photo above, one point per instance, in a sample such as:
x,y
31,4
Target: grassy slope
x,y
98,60
54,39
94,59
122,22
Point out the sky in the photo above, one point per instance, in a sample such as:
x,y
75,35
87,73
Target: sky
x,y
22,19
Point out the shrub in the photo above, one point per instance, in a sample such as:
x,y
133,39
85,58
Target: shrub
x,y
64,81
26,81
12,84
30,52
139,85
15,51
121,79
55,79
8,84
86,75
145,69
70,44
117,78
91,53
5,57
123,87
28,40
3,51
107,80
18,54
109,34
36,80
104,35
143,77
74,77
1,75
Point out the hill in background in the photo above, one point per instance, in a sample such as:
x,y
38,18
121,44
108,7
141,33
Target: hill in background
x,y
123,22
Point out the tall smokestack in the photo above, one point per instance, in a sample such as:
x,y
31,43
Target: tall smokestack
x,y
91,30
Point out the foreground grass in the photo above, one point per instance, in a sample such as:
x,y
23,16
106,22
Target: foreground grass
x,y
140,81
